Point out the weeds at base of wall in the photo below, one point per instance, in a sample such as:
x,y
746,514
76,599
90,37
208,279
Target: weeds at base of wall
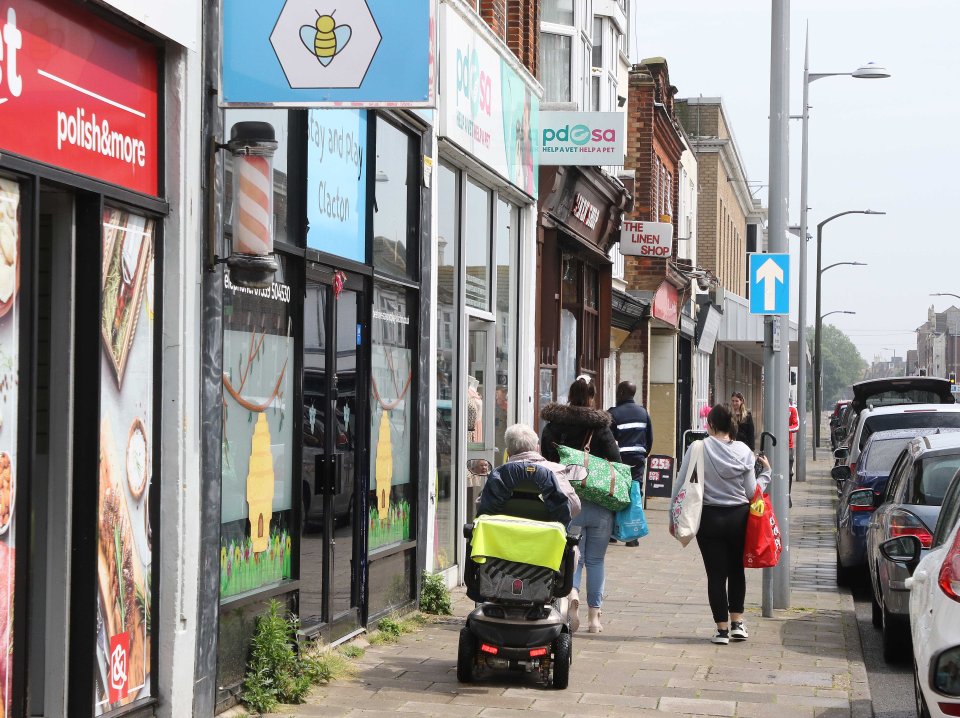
x,y
434,595
390,628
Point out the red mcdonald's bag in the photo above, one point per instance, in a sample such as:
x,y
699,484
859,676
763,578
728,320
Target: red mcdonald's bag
x,y
763,545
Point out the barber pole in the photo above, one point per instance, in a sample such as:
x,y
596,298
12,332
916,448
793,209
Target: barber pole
x,y
253,232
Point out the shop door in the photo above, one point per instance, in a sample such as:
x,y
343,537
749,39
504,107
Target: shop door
x,y
480,405
334,420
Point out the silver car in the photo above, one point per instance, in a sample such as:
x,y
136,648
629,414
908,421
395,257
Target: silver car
x,y
909,507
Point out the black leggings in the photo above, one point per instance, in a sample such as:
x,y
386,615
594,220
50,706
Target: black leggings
x,y
720,538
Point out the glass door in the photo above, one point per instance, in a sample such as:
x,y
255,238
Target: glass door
x,y
334,397
480,405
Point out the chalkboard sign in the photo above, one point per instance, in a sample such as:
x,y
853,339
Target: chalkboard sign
x,y
660,470
692,435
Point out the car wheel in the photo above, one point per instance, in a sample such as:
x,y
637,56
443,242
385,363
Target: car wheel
x,y
919,700
843,574
466,656
562,656
894,638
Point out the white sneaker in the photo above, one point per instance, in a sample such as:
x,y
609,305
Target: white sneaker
x,y
573,611
738,631
722,637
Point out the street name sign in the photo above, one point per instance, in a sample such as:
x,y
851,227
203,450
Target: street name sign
x,y
769,283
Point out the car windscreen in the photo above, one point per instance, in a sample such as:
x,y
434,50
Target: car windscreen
x,y
882,454
910,396
935,476
909,420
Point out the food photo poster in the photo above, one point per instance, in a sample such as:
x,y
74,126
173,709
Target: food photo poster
x,y
124,545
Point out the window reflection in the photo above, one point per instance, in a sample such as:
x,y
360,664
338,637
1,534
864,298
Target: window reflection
x,y
395,192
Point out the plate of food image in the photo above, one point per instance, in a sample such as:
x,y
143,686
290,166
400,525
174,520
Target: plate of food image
x,y
7,491
137,459
9,245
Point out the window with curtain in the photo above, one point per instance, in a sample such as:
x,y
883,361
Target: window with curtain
x,y
597,57
556,55
558,11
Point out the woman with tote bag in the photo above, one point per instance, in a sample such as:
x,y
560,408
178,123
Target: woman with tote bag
x,y
726,473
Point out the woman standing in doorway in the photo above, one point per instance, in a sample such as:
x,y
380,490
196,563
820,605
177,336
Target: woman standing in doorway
x,y
745,429
729,483
576,424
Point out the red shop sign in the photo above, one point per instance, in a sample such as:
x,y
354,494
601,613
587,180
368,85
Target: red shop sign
x,y
666,303
78,93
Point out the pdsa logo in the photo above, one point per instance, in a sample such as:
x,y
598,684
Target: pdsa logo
x,y
581,138
579,135
475,85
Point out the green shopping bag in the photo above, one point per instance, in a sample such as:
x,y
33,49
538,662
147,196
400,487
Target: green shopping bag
x,y
605,483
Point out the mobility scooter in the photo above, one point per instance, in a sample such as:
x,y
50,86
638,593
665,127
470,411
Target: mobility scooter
x,y
520,564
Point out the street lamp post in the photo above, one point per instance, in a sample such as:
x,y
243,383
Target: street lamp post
x,y
869,71
817,363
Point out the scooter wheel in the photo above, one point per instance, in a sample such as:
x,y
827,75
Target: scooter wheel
x,y
466,656
562,656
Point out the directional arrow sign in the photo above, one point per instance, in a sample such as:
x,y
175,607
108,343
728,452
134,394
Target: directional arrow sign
x,y
769,283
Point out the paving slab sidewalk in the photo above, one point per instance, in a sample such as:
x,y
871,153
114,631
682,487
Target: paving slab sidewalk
x,y
654,656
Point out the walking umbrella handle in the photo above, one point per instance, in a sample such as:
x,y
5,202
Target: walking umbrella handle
x,y
758,467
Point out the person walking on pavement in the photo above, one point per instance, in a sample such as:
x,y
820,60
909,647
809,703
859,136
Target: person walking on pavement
x,y
633,431
745,429
729,483
575,424
793,426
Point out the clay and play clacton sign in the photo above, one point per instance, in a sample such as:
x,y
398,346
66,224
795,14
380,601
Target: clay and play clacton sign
x,y
78,93
337,53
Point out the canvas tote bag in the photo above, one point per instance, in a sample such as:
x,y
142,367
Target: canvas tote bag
x,y
688,503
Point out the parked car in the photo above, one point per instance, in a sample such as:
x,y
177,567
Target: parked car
x,y
837,425
893,391
885,418
910,506
836,418
859,495
934,609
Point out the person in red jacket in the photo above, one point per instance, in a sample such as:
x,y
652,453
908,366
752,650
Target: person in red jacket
x,y
793,426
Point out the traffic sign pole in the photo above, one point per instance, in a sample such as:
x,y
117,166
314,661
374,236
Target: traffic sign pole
x,y
776,581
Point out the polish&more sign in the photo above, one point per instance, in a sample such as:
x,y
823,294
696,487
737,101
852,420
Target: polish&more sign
x,y
78,93
646,239
582,138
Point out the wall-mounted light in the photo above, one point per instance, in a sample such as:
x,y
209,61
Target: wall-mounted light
x,y
621,100
251,260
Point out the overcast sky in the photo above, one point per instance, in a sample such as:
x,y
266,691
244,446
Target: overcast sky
x,y
887,145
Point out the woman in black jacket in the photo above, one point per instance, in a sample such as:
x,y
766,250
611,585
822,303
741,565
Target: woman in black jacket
x,y
574,424
744,419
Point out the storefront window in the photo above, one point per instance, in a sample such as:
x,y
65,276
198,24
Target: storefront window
x,y
448,240
9,361
256,545
125,555
507,255
392,410
558,11
395,204
476,249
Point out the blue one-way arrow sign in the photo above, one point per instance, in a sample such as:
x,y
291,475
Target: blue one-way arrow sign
x,y
769,283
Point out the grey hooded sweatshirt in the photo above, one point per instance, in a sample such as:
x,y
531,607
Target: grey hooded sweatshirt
x,y
730,479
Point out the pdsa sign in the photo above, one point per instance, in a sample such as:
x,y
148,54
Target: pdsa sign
x,y
357,53
581,138
646,239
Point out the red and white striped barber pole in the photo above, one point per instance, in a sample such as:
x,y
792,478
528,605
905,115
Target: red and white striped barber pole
x,y
251,260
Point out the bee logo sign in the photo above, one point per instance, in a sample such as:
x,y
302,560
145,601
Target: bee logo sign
x,y
358,53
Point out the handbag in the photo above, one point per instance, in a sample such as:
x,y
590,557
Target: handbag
x,y
763,544
687,505
606,483
630,524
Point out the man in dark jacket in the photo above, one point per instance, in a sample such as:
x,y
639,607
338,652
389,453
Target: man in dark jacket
x,y
633,431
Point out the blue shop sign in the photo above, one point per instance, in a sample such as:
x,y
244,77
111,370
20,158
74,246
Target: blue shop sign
x,y
337,182
361,53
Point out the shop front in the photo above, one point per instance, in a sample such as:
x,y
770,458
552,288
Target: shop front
x,y
81,244
486,182
580,213
320,387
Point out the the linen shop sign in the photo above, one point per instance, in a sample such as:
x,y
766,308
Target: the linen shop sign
x,y
487,107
